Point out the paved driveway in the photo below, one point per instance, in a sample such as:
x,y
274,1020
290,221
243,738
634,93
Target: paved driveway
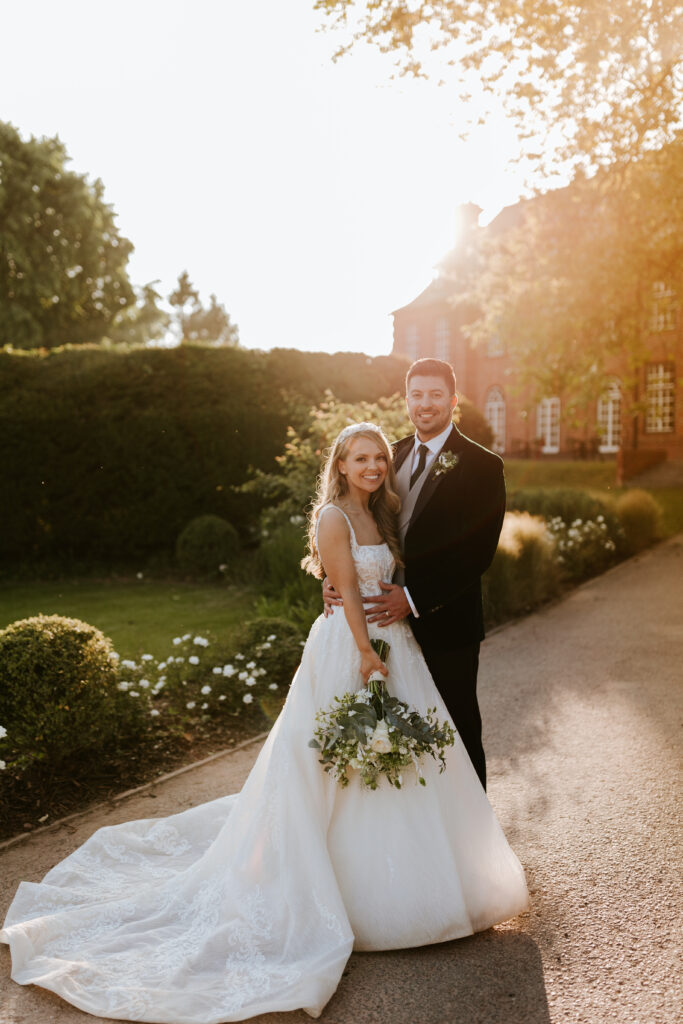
x,y
582,711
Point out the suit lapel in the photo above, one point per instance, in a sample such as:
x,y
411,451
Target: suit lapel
x,y
401,450
454,443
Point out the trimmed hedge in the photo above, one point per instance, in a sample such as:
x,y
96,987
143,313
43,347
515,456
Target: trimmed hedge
x,y
108,453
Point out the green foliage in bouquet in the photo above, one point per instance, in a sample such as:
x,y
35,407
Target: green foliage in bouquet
x,y
378,735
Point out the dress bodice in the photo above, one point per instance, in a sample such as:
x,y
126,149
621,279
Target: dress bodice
x,y
374,562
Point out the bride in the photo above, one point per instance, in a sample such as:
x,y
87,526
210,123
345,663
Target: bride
x,y
253,902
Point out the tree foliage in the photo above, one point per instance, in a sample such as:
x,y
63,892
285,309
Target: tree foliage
x,y
194,322
571,287
63,274
607,76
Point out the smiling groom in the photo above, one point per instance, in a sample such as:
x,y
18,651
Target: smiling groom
x,y
453,501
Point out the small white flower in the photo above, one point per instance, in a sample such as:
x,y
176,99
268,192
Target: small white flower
x,y
251,664
127,663
177,640
228,670
190,704
250,681
201,641
161,666
204,707
266,645
113,656
222,567
147,657
239,657
154,713
123,685
271,637
242,676
3,732
179,661
260,672
248,698
217,671
144,683
133,693
273,686
205,690
221,696
193,659
186,636
139,576
161,680
3,765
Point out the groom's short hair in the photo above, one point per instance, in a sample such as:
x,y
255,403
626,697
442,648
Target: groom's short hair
x,y
432,368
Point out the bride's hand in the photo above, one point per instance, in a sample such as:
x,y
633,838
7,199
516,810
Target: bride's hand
x,y
370,662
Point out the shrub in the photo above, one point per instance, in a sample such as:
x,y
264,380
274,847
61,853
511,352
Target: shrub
x,y
58,692
583,549
524,572
566,503
641,519
207,546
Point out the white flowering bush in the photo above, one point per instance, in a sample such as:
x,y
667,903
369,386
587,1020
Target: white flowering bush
x,y
583,547
201,679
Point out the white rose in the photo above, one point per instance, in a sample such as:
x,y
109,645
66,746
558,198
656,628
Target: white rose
x,y
3,732
154,713
380,741
205,690
248,698
193,659
228,670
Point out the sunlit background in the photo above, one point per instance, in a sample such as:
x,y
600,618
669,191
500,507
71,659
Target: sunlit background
x,y
312,198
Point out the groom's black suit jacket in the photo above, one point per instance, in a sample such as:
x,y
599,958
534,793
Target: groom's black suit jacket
x,y
451,541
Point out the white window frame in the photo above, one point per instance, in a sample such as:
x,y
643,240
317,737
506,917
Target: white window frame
x,y
442,339
663,308
660,398
609,418
495,414
548,424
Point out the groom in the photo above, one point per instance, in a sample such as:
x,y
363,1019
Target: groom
x,y
453,501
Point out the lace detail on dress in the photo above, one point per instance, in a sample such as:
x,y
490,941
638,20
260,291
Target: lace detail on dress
x,y
373,562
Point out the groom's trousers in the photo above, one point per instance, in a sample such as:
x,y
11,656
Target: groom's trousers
x,y
455,675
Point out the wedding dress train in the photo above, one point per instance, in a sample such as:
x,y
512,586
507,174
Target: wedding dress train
x,y
252,903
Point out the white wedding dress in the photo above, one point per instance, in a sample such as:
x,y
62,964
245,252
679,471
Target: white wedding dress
x,y
253,902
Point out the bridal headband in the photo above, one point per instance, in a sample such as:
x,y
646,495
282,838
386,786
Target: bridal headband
x,y
358,428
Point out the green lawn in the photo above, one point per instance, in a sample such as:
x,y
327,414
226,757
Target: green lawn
x,y
587,475
140,616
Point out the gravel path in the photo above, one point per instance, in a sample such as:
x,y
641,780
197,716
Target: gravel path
x,y
582,710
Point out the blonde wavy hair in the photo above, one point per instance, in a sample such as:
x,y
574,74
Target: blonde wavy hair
x,y
385,503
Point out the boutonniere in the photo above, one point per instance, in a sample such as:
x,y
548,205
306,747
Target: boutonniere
x,y
445,463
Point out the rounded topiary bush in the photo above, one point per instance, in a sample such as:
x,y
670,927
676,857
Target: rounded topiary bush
x,y
207,546
640,517
58,691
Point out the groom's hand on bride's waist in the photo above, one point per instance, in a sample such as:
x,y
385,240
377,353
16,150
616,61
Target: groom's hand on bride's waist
x,y
389,606
330,598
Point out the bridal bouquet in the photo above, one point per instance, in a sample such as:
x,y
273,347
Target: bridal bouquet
x,y
376,734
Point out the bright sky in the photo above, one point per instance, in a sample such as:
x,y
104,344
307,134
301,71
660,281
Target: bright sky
x,y
313,198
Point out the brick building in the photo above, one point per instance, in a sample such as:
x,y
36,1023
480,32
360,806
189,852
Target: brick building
x,y
640,423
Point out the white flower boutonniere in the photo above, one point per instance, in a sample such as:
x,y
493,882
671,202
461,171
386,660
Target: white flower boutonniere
x,y
445,463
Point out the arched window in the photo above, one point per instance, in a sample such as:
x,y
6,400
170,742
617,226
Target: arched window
x,y
442,339
609,417
494,411
548,425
